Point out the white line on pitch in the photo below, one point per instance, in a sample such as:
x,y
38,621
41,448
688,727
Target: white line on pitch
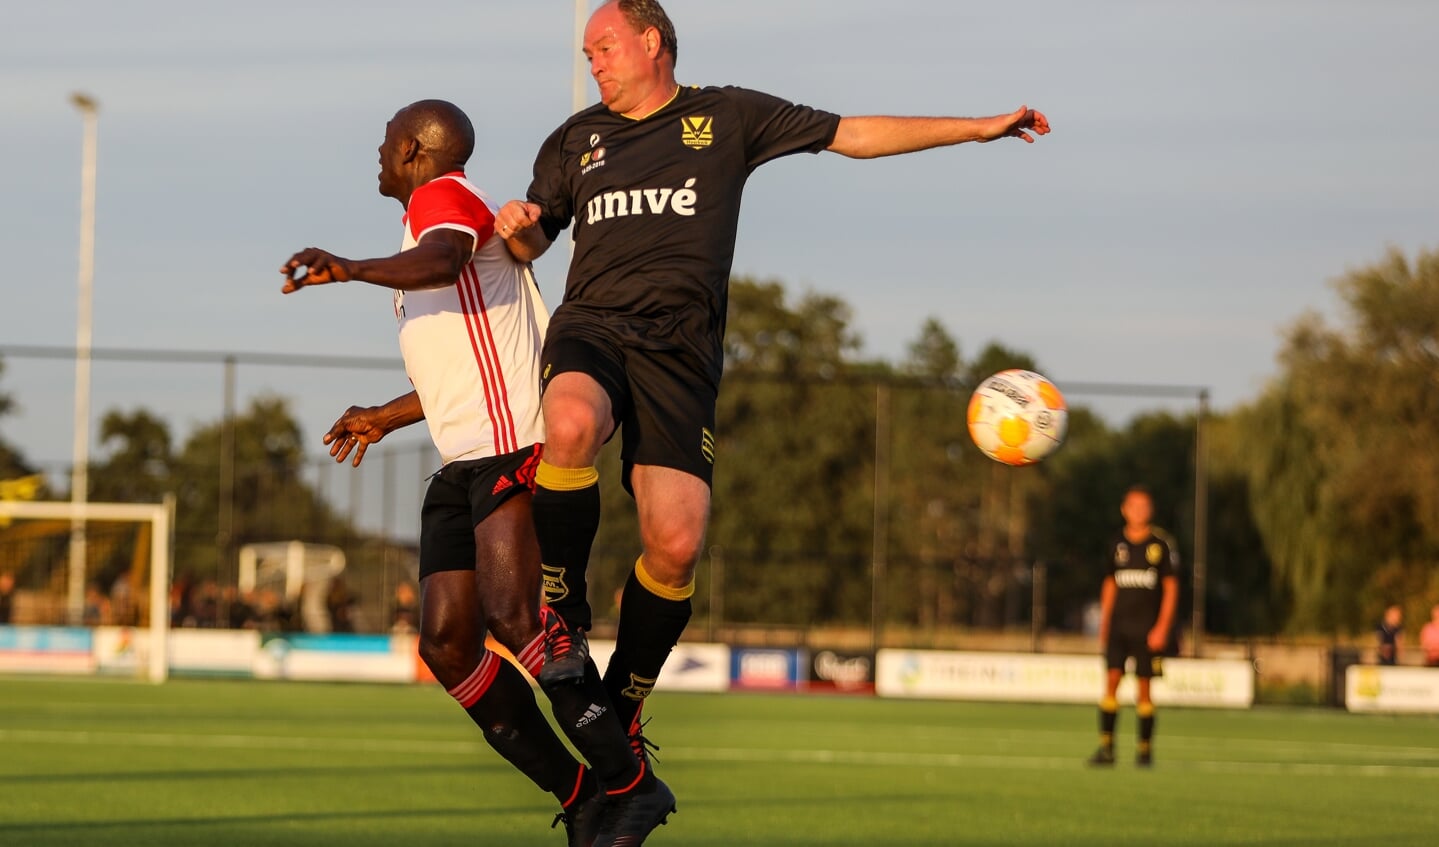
x,y
696,754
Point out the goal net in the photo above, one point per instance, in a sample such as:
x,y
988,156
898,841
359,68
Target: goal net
x,y
84,587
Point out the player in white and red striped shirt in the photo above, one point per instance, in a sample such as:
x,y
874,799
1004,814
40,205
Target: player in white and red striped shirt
x,y
471,325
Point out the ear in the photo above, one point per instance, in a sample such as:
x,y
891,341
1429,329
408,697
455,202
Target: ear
x,y
410,151
652,43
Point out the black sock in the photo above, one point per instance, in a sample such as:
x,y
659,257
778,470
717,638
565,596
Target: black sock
x,y
1108,717
566,516
650,627
513,724
585,713
1146,728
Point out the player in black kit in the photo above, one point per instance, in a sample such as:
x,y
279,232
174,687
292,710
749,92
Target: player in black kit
x,y
1137,612
651,180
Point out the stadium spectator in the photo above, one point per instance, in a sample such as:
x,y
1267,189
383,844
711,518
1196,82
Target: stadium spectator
x,y
340,603
97,606
1389,632
1429,639
7,596
406,617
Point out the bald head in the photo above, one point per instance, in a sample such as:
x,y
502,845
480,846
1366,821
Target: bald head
x,y
443,131
423,141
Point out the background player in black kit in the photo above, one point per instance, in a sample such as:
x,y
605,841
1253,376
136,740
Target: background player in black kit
x,y
651,179
1136,616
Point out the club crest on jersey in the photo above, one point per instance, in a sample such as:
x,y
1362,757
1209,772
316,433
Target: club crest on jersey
x,y
698,131
592,159
1154,554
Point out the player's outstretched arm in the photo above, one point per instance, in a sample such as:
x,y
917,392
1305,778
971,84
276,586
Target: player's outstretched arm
x,y
874,136
436,261
361,426
518,223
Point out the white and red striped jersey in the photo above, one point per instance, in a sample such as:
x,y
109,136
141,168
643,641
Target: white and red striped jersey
x,y
472,349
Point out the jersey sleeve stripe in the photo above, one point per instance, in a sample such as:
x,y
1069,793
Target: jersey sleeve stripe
x,y
481,336
489,336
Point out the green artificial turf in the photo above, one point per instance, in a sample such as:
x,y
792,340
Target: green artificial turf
x,y
218,763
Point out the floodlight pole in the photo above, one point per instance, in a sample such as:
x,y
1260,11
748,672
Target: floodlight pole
x,y
80,456
577,82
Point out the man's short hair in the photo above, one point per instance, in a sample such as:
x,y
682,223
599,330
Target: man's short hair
x,y
1142,490
643,14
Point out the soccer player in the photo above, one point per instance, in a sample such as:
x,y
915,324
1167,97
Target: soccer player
x,y
651,178
471,324
1137,605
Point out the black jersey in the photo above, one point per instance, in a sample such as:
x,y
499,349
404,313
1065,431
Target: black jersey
x,y
1139,571
655,205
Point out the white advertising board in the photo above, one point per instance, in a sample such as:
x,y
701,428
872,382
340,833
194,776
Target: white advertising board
x,y
1039,678
691,667
1391,689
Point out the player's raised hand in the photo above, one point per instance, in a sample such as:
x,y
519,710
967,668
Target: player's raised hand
x,y
1018,124
357,429
319,268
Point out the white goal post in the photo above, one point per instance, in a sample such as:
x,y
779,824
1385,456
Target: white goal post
x,y
158,516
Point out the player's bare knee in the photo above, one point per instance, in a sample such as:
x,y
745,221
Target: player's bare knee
x,y
672,560
513,623
446,655
573,434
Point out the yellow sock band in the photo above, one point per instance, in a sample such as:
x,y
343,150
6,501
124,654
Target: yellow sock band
x,y
565,479
658,588
1109,704
1144,710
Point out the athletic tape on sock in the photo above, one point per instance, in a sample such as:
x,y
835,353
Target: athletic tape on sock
x,y
1144,710
565,479
658,588
1109,704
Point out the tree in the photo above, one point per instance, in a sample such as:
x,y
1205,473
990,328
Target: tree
x,y
1344,475
12,463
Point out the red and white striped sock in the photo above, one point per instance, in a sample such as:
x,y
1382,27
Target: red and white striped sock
x,y
532,656
469,692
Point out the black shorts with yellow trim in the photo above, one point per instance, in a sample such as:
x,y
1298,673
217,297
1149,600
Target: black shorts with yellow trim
x,y
461,495
1123,646
663,401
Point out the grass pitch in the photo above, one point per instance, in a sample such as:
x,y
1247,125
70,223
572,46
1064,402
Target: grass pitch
x,y
222,763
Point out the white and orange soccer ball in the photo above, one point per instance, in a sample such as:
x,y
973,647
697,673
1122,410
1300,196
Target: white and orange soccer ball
x,y
1017,417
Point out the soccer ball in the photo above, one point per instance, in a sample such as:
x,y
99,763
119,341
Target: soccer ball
x,y
1017,417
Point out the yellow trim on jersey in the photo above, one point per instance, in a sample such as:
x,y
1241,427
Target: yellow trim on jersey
x,y
656,109
565,479
658,588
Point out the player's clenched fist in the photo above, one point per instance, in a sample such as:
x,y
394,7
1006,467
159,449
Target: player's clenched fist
x,y
515,217
319,268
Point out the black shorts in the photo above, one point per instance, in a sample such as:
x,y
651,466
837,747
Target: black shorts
x,y
663,401
461,495
1147,664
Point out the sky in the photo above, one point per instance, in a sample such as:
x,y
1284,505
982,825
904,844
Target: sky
x,y
1213,167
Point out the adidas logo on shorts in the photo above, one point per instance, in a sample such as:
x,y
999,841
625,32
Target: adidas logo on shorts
x,y
501,484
